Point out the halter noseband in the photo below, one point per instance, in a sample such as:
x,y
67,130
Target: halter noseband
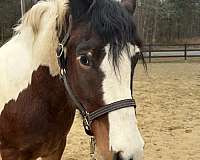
x,y
88,118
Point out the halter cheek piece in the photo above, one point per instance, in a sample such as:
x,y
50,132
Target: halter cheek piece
x,y
88,118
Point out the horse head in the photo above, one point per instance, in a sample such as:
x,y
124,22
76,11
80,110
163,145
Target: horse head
x,y
99,45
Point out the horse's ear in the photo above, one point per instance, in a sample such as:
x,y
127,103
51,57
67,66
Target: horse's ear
x,y
79,8
130,5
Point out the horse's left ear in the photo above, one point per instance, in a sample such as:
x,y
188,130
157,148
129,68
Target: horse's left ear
x,y
130,5
79,8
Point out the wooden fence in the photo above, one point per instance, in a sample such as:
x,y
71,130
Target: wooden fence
x,y
175,50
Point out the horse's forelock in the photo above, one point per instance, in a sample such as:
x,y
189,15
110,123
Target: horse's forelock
x,y
115,26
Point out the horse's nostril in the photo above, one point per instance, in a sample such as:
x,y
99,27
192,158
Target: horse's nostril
x,y
117,156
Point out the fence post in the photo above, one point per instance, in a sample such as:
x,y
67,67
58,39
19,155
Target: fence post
x,y
185,51
1,32
149,53
22,8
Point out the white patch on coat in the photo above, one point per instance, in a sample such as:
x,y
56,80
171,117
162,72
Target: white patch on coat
x,y
123,130
33,45
15,68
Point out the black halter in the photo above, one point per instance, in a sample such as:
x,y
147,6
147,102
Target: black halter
x,y
88,118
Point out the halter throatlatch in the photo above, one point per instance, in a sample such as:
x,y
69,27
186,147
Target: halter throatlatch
x,y
88,118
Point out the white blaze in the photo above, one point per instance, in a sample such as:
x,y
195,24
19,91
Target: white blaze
x,y
123,131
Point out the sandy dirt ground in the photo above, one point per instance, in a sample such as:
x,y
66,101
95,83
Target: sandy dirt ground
x,y
168,113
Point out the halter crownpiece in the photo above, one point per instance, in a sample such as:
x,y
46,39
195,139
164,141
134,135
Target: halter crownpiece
x,y
60,53
88,118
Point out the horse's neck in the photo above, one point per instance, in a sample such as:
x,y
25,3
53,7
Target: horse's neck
x,y
50,89
20,57
39,50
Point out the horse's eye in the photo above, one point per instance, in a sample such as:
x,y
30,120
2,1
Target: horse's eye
x,y
84,60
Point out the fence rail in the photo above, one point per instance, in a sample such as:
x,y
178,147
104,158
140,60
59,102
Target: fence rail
x,y
175,50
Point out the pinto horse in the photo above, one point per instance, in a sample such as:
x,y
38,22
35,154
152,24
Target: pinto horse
x,y
95,43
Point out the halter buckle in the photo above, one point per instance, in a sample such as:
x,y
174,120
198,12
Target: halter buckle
x,y
87,124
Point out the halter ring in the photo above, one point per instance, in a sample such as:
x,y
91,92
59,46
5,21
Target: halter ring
x,y
61,50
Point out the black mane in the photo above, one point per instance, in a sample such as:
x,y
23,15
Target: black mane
x,y
111,21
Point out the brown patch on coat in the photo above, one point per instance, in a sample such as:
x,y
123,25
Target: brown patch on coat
x,y
100,128
36,124
86,82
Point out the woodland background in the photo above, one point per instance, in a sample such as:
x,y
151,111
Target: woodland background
x,y
158,21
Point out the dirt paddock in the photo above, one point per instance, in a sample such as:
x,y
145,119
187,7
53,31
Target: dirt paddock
x,y
168,113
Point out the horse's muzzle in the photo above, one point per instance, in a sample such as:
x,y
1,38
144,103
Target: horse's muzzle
x,y
118,156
